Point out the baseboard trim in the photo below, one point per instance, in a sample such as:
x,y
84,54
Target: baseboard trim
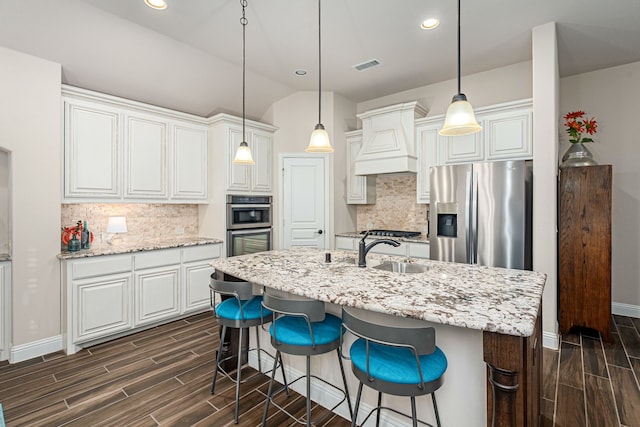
x,y
327,396
551,340
622,309
22,352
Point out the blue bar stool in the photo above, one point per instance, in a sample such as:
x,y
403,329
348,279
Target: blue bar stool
x,y
301,327
396,356
241,310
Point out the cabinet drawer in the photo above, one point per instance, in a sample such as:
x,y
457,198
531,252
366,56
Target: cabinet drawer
x,y
418,250
156,258
201,252
100,266
346,243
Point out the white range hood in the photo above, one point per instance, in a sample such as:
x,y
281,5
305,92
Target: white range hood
x,y
388,139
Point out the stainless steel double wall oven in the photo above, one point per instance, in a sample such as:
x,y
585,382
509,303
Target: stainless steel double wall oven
x,y
249,224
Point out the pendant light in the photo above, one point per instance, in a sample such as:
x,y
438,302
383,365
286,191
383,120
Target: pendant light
x,y
243,154
460,118
319,141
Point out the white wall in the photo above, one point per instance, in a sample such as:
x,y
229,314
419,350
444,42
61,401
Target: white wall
x,y
545,143
30,126
296,116
4,201
611,96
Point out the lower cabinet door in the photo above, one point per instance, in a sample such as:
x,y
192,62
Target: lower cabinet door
x,y
196,286
101,306
156,294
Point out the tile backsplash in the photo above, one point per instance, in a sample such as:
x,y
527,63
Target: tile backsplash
x,y
144,221
396,207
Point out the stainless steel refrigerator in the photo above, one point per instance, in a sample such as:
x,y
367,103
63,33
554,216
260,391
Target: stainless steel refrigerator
x,y
480,213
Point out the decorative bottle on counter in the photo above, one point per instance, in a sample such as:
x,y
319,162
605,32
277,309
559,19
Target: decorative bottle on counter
x,y
86,237
74,244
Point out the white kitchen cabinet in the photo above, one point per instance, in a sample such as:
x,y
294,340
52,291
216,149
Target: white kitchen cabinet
x,y
121,150
145,153
462,149
5,309
156,286
410,249
226,132
508,134
427,147
113,295
196,273
361,189
189,162
98,298
92,140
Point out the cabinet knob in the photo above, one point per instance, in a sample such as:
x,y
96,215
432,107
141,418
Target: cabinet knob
x,y
320,231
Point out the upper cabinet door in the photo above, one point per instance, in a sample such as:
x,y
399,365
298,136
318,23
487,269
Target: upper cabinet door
x,y
238,178
189,162
427,146
146,157
361,189
462,149
508,135
91,151
261,181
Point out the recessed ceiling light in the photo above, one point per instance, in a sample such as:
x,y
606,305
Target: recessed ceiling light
x,y
156,4
300,72
429,24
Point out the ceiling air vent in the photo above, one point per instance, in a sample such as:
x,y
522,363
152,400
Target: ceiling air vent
x,y
366,65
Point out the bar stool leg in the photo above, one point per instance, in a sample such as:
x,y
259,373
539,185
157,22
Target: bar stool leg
x,y
259,352
308,391
284,378
355,411
273,374
414,417
379,409
215,371
238,372
435,408
344,381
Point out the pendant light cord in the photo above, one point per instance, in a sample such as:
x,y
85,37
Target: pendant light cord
x,y
243,21
319,66
459,77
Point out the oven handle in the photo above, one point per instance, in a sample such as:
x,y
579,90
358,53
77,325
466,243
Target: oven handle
x,y
249,231
250,206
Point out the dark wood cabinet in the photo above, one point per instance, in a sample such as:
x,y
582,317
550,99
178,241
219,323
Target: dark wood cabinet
x,y
584,248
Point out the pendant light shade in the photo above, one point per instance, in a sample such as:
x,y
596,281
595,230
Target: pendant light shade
x,y
460,118
243,153
319,141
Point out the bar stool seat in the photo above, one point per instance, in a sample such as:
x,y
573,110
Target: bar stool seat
x,y
396,356
241,310
301,327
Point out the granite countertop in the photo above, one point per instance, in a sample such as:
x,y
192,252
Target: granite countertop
x,y
98,249
469,296
420,239
5,257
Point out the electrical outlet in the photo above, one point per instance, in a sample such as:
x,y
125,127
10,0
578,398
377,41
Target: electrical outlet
x,y
179,230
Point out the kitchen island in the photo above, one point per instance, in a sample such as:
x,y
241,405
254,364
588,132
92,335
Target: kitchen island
x,y
500,304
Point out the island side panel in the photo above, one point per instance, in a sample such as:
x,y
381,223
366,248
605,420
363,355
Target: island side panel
x,y
514,374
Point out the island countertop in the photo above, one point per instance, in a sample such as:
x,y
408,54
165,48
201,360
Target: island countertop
x,y
468,296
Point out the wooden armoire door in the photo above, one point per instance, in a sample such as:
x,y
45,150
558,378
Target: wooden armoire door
x,y
584,248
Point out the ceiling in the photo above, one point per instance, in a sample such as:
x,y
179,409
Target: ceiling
x,y
189,57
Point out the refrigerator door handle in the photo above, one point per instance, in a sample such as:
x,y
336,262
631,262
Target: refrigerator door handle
x,y
474,219
468,219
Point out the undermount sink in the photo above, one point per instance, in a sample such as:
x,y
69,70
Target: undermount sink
x,y
402,267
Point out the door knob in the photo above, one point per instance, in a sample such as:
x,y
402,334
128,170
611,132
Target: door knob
x,y
320,232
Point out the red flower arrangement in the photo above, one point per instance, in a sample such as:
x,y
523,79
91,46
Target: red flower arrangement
x,y
577,125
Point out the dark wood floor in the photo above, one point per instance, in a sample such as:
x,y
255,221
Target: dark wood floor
x,y
588,383
162,377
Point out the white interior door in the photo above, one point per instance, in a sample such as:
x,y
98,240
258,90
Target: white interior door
x,y
304,201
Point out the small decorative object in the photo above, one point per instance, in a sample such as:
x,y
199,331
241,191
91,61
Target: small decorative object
x,y
74,244
86,240
76,231
578,154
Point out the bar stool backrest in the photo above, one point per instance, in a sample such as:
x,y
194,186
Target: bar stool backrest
x,y
241,290
390,330
293,305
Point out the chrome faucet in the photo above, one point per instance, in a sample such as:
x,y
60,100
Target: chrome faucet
x,y
363,248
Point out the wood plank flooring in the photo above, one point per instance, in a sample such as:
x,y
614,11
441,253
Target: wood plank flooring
x,y
591,383
162,376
